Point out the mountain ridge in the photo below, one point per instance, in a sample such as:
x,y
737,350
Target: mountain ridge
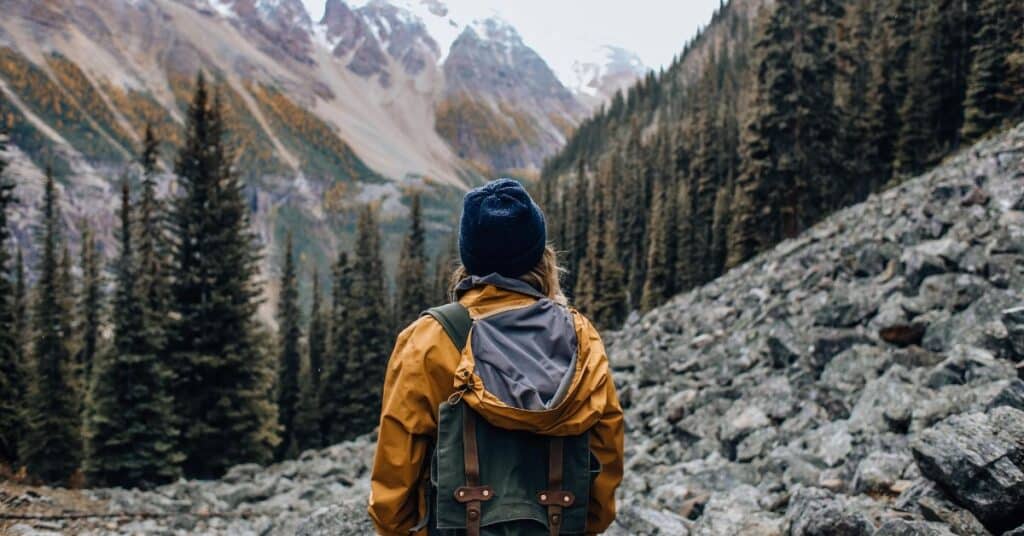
x,y
324,113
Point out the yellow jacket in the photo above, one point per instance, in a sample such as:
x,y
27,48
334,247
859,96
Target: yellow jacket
x,y
426,368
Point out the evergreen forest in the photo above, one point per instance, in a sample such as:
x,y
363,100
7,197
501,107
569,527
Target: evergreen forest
x,y
783,118
153,364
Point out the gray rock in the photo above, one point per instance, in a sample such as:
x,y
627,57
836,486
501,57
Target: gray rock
x,y
902,527
978,459
879,470
845,311
817,512
1019,531
242,473
1013,319
648,522
347,518
961,522
737,512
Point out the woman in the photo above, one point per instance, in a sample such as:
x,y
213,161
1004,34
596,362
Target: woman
x,y
532,367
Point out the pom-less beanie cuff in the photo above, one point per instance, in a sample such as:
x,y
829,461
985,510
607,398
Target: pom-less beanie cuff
x,y
513,267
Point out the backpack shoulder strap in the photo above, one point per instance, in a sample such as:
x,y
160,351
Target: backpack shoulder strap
x,y
455,319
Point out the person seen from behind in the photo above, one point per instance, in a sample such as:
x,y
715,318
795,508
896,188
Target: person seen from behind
x,y
499,413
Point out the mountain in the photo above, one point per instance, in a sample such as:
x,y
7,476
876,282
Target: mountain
x,y
360,106
503,106
609,69
865,377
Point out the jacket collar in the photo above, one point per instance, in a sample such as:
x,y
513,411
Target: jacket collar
x,y
497,280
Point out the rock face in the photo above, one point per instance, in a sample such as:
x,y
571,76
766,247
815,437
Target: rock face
x,y
366,37
978,458
503,107
770,401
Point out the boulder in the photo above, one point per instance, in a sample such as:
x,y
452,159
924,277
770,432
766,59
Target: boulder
x,y
879,471
978,458
903,527
960,521
347,518
817,512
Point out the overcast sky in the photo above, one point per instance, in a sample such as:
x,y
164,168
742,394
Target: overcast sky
x,y
565,30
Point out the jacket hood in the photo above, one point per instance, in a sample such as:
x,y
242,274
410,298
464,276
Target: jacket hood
x,y
530,364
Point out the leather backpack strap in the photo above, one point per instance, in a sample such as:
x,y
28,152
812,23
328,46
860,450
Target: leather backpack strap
x,y
555,498
455,319
472,494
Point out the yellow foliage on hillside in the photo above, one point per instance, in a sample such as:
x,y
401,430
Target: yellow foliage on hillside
x,y
88,98
322,150
481,134
254,154
53,105
141,109
562,123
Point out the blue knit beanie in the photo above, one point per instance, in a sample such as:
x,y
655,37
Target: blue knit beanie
x,y
502,230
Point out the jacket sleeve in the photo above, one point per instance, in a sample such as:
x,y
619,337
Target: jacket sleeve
x,y
407,426
607,443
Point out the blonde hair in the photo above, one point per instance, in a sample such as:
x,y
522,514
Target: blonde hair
x,y
545,277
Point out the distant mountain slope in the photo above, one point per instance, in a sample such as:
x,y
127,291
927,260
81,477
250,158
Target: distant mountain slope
x,y
503,108
323,114
610,70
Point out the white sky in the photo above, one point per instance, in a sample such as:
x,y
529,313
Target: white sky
x,y
562,31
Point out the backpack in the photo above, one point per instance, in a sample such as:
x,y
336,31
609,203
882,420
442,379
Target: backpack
x,y
488,481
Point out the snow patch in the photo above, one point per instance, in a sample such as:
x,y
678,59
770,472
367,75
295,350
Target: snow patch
x,y
223,8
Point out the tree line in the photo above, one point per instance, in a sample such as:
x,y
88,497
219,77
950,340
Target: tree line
x,y
155,365
814,106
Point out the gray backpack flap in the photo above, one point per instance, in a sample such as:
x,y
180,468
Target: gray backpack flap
x,y
517,483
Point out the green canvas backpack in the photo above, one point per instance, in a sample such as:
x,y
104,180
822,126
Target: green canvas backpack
x,y
488,481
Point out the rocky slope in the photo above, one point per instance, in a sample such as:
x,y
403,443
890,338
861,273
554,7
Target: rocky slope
x,y
862,379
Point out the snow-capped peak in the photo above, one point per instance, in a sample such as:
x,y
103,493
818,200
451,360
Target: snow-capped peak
x,y
497,30
606,69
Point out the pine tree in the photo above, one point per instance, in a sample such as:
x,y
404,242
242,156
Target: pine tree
x,y
789,144
932,114
306,426
91,303
367,334
444,265
701,182
657,283
1015,64
989,95
632,202
862,172
601,287
318,324
332,397
11,380
129,403
223,377
413,287
890,54
578,234
52,447
289,355
21,307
